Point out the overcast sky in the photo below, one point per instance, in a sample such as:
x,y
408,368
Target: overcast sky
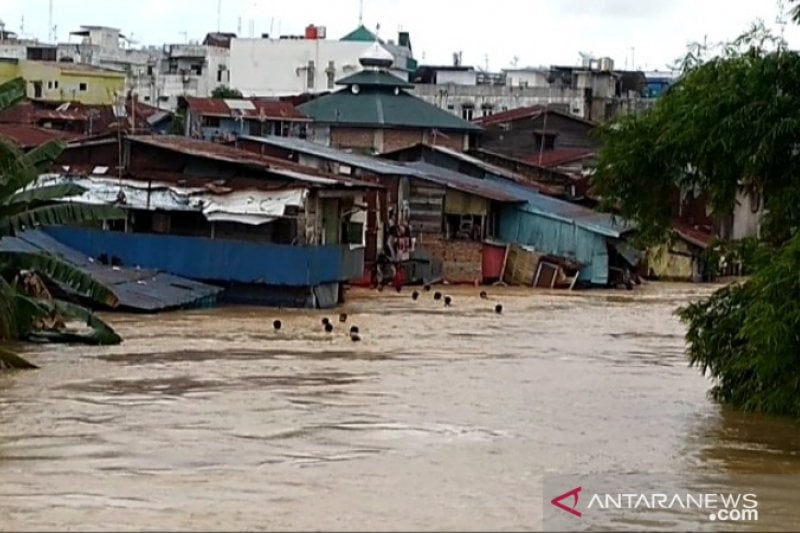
x,y
536,32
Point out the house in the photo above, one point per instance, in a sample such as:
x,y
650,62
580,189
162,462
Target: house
x,y
375,113
286,65
267,230
551,225
52,81
27,137
448,213
88,120
541,135
215,118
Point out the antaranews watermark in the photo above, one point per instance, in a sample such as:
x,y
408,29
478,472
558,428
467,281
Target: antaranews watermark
x,y
668,502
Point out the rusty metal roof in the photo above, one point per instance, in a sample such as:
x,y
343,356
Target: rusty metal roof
x,y
531,112
26,136
558,156
229,154
255,108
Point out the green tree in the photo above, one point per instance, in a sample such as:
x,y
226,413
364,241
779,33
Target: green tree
x,y
223,91
731,121
25,313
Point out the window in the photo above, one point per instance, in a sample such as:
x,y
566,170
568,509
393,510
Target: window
x,y
55,84
37,89
331,72
310,75
146,98
464,227
450,107
253,128
487,110
467,111
83,87
548,139
219,75
210,122
149,70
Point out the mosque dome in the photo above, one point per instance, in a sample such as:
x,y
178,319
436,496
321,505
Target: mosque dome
x,y
376,56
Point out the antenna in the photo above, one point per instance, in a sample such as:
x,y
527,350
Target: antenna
x,y
50,21
185,36
252,28
219,15
22,26
360,12
239,26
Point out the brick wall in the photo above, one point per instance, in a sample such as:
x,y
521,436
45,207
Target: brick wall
x,y
355,138
461,260
393,139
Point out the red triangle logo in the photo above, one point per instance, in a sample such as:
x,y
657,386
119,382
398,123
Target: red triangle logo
x,y
572,509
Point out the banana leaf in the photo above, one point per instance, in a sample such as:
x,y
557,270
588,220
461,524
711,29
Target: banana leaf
x,y
11,92
57,215
102,334
11,361
44,194
61,272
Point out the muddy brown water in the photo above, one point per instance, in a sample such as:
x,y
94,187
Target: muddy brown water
x,y
439,419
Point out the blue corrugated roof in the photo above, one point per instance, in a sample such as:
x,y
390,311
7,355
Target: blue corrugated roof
x,y
373,164
589,219
136,289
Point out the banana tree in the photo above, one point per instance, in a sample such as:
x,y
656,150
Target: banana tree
x,y
25,313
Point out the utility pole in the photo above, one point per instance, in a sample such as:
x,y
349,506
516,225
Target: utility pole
x,y
50,37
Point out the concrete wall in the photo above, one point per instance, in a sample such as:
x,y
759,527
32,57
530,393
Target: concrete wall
x,y
747,216
277,67
456,77
461,261
65,83
490,99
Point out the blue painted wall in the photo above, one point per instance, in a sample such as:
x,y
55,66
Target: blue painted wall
x,y
219,260
557,237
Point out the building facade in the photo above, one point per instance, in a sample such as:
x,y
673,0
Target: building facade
x,y
52,81
290,65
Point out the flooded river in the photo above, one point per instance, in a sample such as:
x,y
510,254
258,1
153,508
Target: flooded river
x,y
439,419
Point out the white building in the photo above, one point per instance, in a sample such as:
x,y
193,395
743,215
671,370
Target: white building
x,y
157,75
291,65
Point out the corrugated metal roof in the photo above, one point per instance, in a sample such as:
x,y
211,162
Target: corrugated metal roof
x,y
558,156
372,164
136,289
461,182
229,154
26,136
588,219
530,112
260,108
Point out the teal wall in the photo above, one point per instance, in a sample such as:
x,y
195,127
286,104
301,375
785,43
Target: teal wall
x,y
552,235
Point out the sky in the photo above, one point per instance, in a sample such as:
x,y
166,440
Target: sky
x,y
647,34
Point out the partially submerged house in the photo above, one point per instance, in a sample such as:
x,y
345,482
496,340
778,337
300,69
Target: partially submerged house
x,y
450,214
595,241
218,119
374,113
268,230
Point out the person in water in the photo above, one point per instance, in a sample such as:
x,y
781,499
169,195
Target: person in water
x,y
437,296
353,329
328,327
447,301
355,337
276,324
498,309
414,295
484,296
342,317
325,321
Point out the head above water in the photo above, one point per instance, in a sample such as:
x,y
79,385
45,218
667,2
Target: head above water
x,y
325,321
447,301
328,327
353,329
355,337
437,295
498,308
414,295
484,295
427,287
342,317
276,324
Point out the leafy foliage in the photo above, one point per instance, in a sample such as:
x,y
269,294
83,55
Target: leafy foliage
x,y
729,122
22,315
748,336
223,91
